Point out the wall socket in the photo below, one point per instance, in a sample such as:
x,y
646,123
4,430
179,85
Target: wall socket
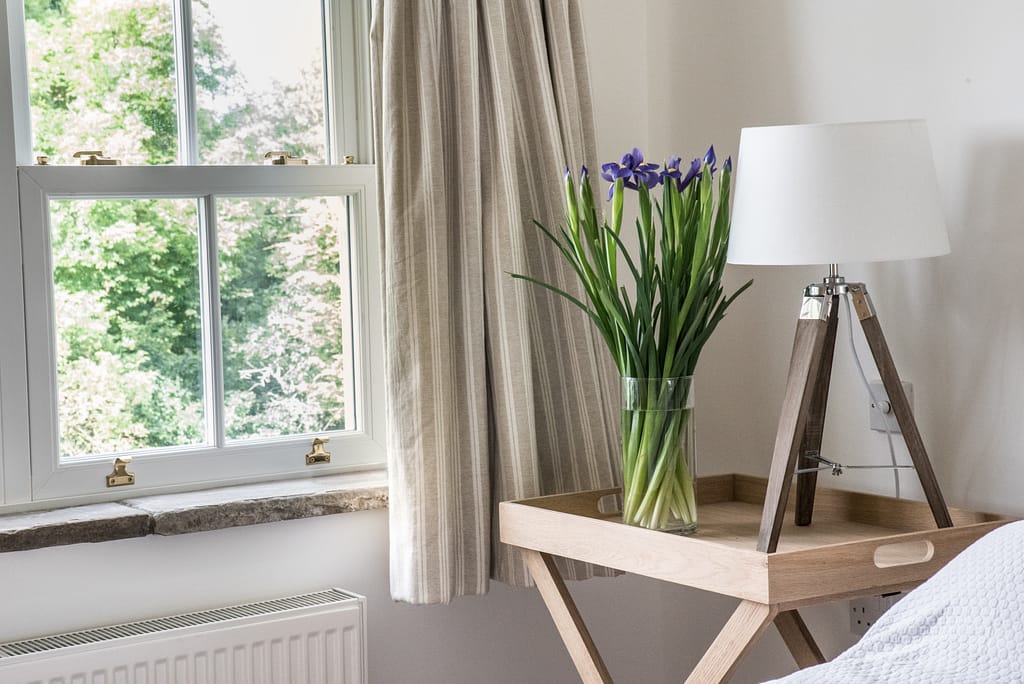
x,y
864,612
882,417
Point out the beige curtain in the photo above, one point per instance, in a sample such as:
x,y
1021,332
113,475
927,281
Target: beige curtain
x,y
496,389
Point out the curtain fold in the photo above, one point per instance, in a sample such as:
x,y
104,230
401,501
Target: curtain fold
x,y
496,389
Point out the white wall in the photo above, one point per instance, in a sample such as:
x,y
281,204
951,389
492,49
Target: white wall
x,y
505,636
672,76
955,324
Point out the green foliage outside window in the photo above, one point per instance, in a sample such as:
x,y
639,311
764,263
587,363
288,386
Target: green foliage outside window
x,y
126,272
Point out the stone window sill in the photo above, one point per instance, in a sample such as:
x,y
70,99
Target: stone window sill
x,y
211,509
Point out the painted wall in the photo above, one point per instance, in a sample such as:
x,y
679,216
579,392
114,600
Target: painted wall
x,y
673,76
954,324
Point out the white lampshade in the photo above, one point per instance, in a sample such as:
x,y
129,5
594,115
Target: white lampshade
x,y
836,193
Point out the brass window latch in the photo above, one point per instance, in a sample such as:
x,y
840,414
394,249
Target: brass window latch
x,y
284,158
94,158
121,477
318,455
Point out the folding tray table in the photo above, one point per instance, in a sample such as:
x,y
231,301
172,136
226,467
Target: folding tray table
x,y
858,545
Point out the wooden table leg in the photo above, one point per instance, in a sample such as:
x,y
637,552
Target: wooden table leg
x,y
798,639
743,629
567,618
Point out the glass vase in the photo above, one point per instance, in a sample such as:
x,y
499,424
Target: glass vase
x,y
658,454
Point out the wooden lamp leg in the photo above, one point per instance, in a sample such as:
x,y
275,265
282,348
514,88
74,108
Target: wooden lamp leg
x,y
803,413
815,428
900,405
811,331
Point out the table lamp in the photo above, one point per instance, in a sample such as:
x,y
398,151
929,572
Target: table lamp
x,y
829,194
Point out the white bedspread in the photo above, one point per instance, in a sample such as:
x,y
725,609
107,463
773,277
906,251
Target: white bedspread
x,y
964,625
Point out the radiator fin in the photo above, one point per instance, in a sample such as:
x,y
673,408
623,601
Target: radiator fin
x,y
205,617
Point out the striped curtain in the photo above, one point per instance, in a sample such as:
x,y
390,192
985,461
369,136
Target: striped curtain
x,y
496,390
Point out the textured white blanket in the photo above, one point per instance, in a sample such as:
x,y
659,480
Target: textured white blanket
x,y
964,625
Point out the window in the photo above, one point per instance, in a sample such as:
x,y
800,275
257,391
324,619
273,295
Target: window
x,y
194,308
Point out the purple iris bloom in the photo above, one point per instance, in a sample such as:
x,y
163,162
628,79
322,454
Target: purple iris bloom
x,y
632,170
612,171
709,158
728,164
644,172
693,172
671,170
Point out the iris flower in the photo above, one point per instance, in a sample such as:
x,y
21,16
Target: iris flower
x,y
695,168
693,172
656,320
671,170
632,169
709,158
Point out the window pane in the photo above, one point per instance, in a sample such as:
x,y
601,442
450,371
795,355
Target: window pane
x,y
259,80
126,301
285,314
101,77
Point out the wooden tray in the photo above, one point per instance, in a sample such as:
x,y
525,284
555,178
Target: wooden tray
x,y
858,544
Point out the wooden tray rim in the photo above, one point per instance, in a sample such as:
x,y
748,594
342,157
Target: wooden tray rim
x,y
787,577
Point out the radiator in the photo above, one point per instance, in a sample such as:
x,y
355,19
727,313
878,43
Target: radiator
x,y
317,638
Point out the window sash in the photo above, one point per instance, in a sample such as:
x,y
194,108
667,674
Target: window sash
x,y
345,37
347,40
185,82
347,22
187,467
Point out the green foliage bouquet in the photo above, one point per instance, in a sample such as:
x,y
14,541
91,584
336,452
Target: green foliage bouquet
x,y
655,330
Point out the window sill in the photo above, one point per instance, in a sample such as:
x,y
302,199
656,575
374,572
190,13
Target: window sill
x,y
212,509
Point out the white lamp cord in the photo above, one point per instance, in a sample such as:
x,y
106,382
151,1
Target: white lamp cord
x,y
867,386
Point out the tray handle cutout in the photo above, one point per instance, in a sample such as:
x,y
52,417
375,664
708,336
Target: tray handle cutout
x,y
610,505
904,553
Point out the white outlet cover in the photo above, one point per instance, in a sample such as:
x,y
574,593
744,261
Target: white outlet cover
x,y
886,422
864,612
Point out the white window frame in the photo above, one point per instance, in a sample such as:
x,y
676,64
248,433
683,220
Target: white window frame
x,y
31,473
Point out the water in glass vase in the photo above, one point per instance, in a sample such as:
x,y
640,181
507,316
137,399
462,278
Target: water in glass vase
x,y
658,454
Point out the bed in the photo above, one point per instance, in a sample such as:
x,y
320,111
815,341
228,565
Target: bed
x,y
964,625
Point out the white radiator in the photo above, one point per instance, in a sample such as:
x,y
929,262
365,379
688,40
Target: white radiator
x,y
316,638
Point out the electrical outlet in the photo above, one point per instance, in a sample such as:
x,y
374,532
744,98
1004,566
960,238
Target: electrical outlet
x,y
864,612
882,417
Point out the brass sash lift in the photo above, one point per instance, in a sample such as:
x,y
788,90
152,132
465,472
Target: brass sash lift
x,y
801,424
